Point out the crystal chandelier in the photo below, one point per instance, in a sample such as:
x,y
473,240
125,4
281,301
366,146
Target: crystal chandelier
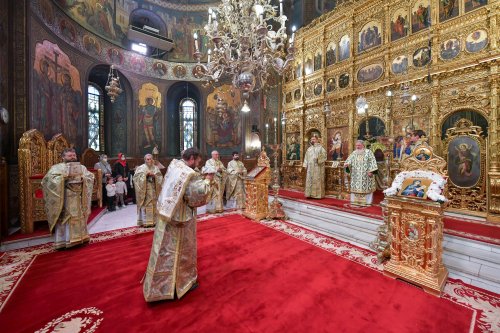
x,y
247,39
113,85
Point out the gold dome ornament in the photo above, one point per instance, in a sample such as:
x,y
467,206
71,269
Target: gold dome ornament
x,y
4,115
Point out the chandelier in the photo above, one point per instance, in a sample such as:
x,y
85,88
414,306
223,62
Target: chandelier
x,y
113,85
247,39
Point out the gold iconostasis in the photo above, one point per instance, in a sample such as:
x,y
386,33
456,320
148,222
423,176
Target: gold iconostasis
x,y
424,64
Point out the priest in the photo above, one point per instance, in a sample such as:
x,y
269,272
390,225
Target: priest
x,y
147,183
172,263
235,186
314,162
216,202
362,166
67,191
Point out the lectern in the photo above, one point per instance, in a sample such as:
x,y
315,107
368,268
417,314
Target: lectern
x,y
256,184
415,204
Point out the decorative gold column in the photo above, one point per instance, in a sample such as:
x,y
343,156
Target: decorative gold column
x,y
494,172
434,135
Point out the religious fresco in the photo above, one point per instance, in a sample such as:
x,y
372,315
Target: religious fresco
x,y
309,64
448,9
47,10
331,85
293,146
118,128
115,56
160,68
370,36
370,73
57,94
318,60
344,48
297,94
399,64
149,115
110,20
68,30
450,49
222,118
331,54
298,70
474,4
92,45
344,80
464,161
421,15
399,24
137,63
318,89
338,143
476,41
422,57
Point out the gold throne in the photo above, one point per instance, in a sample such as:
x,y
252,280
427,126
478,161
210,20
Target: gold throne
x,y
416,223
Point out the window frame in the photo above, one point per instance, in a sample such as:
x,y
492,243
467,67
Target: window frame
x,y
100,113
181,122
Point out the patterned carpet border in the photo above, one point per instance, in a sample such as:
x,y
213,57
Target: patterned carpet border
x,y
14,264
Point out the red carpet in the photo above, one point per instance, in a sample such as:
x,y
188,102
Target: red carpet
x,y
252,279
41,228
467,228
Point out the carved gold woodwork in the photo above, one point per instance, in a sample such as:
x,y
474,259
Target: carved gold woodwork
x,y
256,190
293,177
336,183
467,198
466,81
416,243
35,157
416,230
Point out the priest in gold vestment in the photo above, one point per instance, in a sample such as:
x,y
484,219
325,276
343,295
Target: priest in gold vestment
x,y
314,161
67,190
361,164
216,202
235,186
172,263
147,184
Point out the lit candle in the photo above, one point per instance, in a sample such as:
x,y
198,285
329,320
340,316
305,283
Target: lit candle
x,y
293,33
195,36
275,131
209,52
209,16
281,7
267,133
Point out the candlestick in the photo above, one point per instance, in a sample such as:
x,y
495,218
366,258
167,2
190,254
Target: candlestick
x,y
281,7
209,16
267,133
275,131
209,52
195,36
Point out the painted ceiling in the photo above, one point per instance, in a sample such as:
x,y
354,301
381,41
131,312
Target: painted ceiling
x,y
110,20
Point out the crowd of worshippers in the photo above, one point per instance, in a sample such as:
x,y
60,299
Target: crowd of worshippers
x,y
116,182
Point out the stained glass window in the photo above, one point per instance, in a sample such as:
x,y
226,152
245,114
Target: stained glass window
x,y
188,123
95,109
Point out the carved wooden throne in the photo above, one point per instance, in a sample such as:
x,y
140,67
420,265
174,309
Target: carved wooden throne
x,y
416,223
35,157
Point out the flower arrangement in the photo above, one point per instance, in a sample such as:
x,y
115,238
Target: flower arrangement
x,y
435,189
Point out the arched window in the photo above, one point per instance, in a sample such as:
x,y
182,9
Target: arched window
x,y
95,111
187,116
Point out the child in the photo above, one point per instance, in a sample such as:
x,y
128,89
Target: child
x,y
121,191
111,193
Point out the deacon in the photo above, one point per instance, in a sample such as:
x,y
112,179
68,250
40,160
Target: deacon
x,y
362,166
172,263
314,161
147,184
216,202
67,191
235,187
